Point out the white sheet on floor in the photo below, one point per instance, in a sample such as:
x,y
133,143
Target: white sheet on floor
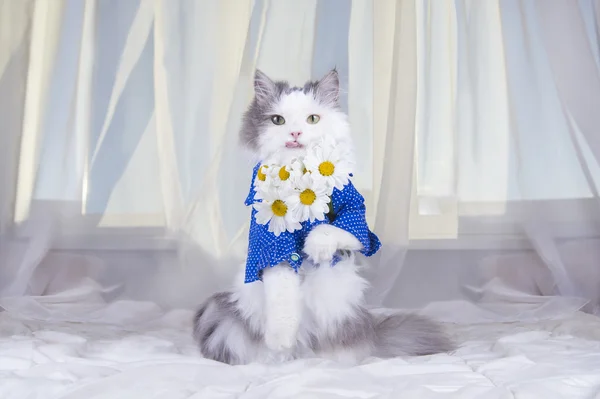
x,y
545,359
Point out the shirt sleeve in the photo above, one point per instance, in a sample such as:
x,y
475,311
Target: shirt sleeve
x,y
350,215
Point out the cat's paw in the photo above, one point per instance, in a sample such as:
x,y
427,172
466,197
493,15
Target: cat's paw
x,y
277,357
325,240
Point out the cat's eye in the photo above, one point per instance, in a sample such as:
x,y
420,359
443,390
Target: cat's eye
x,y
313,119
277,119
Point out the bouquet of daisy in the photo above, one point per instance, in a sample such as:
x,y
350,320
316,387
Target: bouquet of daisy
x,y
300,191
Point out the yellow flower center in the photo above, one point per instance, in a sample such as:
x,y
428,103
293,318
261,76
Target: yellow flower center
x,y
326,168
261,175
308,197
279,208
284,174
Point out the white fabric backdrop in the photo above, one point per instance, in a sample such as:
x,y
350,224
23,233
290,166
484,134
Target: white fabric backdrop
x,y
476,122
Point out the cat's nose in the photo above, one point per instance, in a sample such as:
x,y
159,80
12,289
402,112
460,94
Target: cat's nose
x,y
295,135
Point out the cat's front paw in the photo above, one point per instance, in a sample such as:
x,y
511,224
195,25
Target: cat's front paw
x,y
324,240
322,243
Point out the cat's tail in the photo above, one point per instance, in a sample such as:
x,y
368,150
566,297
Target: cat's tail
x,y
405,334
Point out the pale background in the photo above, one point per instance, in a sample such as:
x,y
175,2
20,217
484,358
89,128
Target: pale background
x,y
476,121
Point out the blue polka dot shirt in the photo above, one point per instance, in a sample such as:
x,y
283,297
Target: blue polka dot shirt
x,y
267,250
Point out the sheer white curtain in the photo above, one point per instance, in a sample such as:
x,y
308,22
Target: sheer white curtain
x,y
506,154
122,179
122,183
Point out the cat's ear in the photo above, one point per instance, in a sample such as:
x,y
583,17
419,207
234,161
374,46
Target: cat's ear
x,y
264,87
327,90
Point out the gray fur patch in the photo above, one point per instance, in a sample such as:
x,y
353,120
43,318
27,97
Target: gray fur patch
x,y
209,322
355,331
409,335
223,354
199,314
386,336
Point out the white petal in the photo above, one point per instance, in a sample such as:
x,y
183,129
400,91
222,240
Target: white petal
x,y
277,225
297,213
292,223
316,214
324,193
263,216
305,213
292,200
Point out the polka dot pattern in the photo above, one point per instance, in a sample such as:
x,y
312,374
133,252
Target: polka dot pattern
x,y
266,250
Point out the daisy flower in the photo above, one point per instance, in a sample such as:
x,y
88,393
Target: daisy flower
x,y
274,211
310,199
329,163
297,168
281,176
261,177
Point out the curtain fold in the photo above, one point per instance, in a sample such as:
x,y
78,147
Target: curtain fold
x,y
15,38
396,147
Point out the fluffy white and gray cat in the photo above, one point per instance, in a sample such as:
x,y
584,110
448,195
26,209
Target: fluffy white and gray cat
x,y
320,310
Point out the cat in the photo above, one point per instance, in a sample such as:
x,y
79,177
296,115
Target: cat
x,y
319,310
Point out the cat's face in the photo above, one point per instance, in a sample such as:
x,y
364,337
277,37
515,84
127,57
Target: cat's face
x,y
282,121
